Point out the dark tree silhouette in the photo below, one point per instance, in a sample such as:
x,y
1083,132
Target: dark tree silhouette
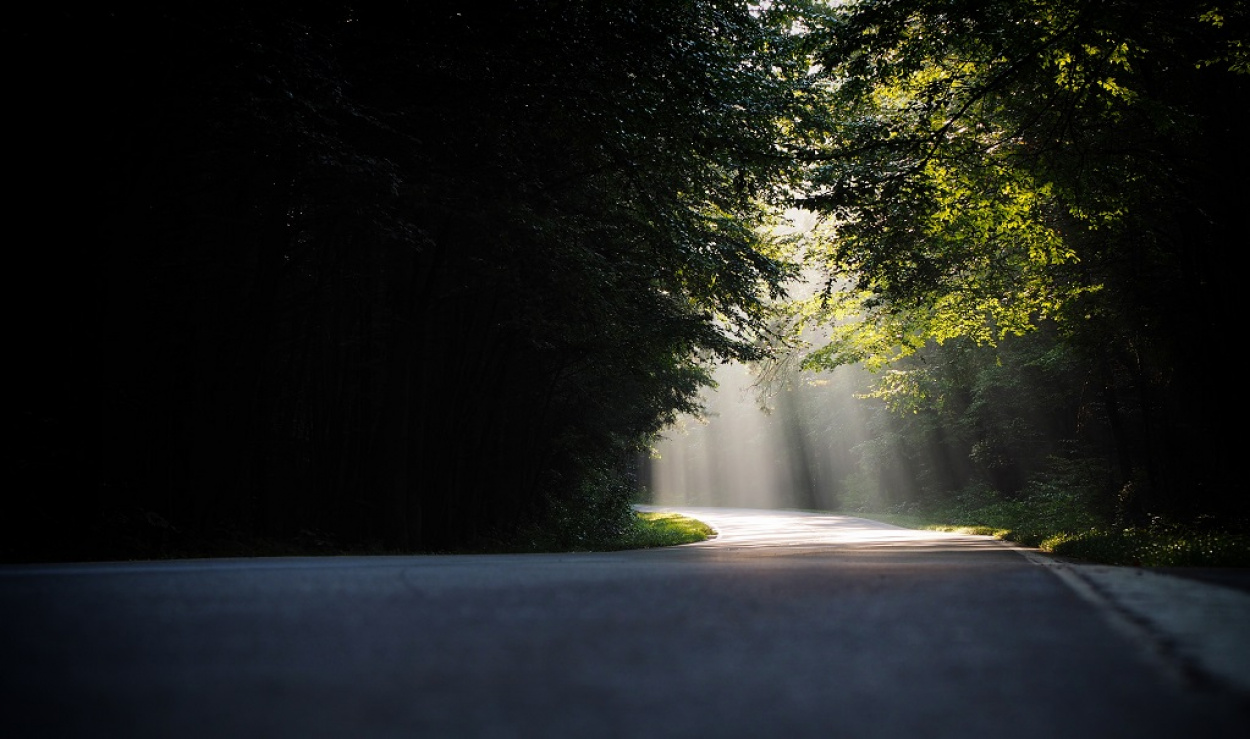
x,y
410,277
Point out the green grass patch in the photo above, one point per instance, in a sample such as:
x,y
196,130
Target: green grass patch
x,y
639,531
663,530
934,522
1060,525
1151,547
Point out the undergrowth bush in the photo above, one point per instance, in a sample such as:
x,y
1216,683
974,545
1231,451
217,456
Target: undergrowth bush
x,y
1156,546
1041,512
1059,512
598,514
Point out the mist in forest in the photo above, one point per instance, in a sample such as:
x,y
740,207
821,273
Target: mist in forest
x,y
796,447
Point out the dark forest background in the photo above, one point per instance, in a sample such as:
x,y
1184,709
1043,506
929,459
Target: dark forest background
x,y
406,275
416,277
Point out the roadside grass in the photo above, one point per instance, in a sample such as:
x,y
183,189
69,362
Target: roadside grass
x,y
1157,546
665,530
642,530
1161,544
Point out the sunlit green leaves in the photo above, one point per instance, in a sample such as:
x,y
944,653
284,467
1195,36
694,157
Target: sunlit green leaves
x,y
972,146
1229,24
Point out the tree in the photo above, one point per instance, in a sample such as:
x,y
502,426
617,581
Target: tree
x,y
990,168
417,276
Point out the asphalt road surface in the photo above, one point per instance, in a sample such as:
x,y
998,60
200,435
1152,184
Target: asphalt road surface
x,y
785,625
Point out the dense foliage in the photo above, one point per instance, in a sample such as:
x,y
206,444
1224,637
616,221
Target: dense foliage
x,y
409,274
1030,208
419,275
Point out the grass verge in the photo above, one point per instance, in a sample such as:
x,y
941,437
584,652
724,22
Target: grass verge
x,y
642,530
1150,547
665,530
1159,545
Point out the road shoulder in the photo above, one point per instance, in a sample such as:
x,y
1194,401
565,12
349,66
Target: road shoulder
x,y
1196,630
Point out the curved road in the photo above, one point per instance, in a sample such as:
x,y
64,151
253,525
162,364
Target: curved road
x,y
785,625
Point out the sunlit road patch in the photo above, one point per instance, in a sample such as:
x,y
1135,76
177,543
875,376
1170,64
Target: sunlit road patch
x,y
747,527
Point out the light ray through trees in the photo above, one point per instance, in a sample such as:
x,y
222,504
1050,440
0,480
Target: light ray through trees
x,y
796,449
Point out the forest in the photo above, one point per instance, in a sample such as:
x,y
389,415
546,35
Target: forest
x,y
419,277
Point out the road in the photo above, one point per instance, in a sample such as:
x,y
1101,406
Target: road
x,y
785,625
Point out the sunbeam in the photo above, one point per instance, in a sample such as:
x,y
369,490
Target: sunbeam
x,y
795,450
